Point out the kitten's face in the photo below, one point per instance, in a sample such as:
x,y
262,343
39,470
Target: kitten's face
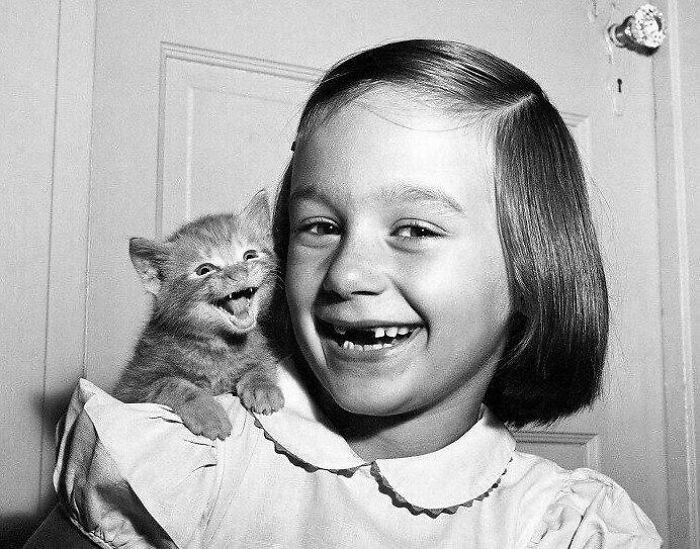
x,y
215,274
221,286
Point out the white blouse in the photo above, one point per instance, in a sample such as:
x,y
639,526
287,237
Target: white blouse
x,y
132,475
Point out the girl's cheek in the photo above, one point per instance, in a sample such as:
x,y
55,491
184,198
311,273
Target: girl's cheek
x,y
301,257
304,269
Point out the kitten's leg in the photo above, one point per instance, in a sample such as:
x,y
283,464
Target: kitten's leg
x,y
257,387
200,412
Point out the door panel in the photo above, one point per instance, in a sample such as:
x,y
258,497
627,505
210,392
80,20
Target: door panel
x,y
568,449
227,126
194,110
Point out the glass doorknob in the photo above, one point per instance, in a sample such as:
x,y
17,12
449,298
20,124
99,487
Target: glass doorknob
x,y
643,32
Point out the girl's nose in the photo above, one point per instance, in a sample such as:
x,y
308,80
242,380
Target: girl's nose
x,y
356,268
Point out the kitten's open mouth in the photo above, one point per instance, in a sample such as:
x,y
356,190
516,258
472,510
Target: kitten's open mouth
x,y
237,308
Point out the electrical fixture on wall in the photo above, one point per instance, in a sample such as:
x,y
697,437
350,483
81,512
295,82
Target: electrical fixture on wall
x,y
643,32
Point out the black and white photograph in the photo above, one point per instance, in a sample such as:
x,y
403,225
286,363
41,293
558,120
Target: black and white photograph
x,y
292,274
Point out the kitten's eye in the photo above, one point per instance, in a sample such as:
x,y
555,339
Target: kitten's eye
x,y
250,254
205,269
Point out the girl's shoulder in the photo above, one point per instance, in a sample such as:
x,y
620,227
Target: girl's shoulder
x,y
131,472
578,508
124,470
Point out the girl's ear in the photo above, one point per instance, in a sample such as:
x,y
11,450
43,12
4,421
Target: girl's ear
x,y
257,212
148,258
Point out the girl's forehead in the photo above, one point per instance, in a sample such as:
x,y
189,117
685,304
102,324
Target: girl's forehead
x,y
401,116
391,126
384,140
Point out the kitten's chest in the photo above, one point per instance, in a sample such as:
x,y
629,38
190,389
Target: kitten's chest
x,y
220,367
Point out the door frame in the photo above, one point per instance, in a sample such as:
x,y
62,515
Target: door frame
x,y
677,144
66,314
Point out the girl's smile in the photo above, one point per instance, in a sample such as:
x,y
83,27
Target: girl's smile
x,y
395,277
361,339
368,342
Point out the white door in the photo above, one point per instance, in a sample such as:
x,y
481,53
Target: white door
x,y
194,109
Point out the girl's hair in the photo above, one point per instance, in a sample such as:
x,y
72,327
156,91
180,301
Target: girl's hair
x,y
553,359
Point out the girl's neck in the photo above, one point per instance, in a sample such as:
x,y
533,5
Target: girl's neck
x,y
396,437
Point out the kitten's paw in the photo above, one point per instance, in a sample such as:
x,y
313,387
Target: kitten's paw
x,y
263,397
203,415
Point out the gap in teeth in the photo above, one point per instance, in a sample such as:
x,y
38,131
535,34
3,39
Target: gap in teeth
x,y
379,331
370,338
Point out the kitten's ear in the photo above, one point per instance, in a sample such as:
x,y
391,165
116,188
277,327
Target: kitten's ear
x,y
148,257
257,212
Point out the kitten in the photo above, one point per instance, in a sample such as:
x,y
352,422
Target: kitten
x,y
212,283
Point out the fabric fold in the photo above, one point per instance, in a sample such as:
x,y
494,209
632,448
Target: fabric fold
x,y
118,460
592,511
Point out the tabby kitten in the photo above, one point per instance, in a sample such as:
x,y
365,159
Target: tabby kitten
x,y
212,283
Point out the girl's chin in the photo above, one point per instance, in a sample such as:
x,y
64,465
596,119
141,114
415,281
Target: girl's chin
x,y
380,382
367,398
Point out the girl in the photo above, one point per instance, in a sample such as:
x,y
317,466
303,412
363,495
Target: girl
x,y
442,278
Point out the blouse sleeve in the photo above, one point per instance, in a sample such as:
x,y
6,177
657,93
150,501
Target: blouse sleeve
x,y
132,475
593,512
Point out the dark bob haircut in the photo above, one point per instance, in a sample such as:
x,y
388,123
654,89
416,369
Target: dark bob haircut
x,y
553,359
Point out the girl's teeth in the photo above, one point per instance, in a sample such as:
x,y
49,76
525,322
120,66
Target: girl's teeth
x,y
392,331
352,346
379,332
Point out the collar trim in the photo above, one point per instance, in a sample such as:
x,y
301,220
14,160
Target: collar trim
x,y
299,462
383,483
399,501
463,472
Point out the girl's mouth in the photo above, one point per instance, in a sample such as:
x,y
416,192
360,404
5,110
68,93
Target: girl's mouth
x,y
365,338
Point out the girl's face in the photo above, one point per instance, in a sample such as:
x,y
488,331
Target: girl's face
x,y
395,277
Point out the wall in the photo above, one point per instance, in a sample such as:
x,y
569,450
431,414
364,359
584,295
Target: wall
x,y
46,55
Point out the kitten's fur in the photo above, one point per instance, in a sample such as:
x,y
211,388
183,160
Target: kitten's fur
x,y
197,342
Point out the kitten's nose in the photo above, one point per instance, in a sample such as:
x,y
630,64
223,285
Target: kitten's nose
x,y
236,273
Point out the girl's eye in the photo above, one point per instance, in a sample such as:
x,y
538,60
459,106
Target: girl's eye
x,y
321,228
415,231
250,254
205,269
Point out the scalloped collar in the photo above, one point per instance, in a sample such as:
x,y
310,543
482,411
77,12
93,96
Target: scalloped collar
x,y
459,474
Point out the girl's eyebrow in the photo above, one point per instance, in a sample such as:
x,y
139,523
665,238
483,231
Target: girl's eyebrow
x,y
303,192
407,192
399,192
